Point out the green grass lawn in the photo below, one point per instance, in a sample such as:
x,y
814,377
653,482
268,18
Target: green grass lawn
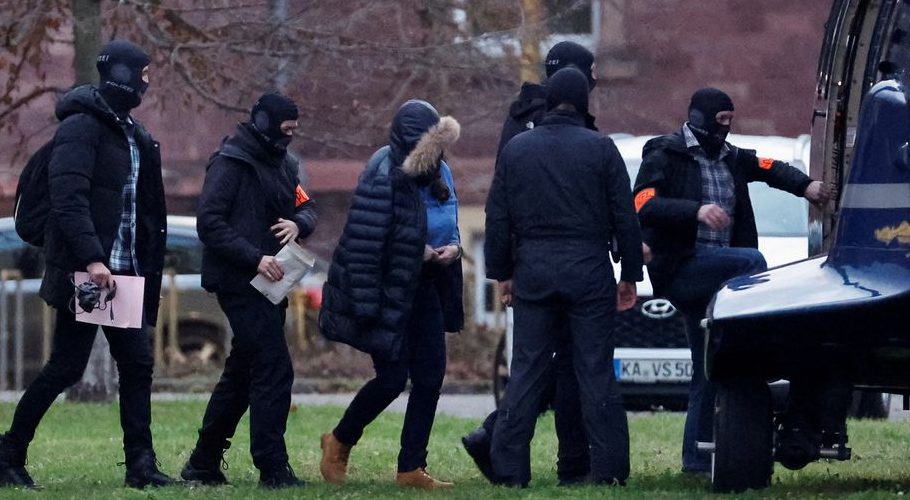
x,y
78,446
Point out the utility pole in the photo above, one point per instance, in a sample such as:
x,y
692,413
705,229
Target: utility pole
x,y
280,17
532,15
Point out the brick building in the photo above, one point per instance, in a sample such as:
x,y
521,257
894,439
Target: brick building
x,y
651,55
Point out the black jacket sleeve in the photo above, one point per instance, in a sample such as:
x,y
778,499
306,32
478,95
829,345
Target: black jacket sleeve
x,y
70,172
305,216
655,208
623,221
219,195
775,173
497,246
367,229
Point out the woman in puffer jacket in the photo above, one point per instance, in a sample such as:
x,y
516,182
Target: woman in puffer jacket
x,y
389,279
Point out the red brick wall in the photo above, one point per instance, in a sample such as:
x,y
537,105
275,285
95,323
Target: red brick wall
x,y
762,52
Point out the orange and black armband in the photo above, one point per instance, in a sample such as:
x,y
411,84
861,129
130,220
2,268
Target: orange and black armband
x,y
300,196
643,197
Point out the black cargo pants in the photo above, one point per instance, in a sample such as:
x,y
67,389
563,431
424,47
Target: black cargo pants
x,y
258,375
590,323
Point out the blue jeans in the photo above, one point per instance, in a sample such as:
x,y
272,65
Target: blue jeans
x,y
696,281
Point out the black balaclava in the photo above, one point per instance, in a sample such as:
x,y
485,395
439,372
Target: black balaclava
x,y
568,85
120,64
570,54
270,111
703,109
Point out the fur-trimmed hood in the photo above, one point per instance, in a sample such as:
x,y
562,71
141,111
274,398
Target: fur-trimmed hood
x,y
429,150
417,123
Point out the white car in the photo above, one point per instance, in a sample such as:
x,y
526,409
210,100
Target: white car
x,y
652,360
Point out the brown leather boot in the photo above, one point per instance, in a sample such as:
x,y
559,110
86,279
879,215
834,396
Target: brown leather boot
x,y
418,478
334,463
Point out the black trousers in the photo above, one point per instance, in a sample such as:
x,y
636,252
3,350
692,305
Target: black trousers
x,y
130,348
258,375
590,324
572,458
423,360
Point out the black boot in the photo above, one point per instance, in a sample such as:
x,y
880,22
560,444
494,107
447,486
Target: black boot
x,y
477,444
12,466
142,470
205,465
279,476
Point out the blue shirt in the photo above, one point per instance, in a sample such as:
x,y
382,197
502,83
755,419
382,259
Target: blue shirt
x,y
442,216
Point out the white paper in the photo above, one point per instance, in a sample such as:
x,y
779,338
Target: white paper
x,y
126,305
296,262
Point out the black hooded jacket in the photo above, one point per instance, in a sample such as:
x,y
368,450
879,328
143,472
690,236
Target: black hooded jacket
x,y
527,111
89,166
559,196
668,194
368,296
246,190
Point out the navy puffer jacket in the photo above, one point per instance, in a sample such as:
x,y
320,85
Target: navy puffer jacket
x,y
367,298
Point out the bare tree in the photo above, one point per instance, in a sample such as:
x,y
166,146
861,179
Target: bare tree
x,y
350,63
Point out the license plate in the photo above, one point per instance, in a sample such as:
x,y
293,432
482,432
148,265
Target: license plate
x,y
650,371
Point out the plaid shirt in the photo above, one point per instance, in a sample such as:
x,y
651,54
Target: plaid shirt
x,y
716,187
123,255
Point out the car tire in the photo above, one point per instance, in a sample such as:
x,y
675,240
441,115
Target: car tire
x,y
500,371
743,437
871,405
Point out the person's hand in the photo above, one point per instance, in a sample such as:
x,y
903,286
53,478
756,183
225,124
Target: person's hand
x,y
819,193
714,216
448,254
626,295
505,292
429,254
646,253
100,275
270,268
285,230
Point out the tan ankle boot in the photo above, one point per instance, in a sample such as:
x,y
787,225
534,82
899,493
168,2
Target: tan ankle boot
x,y
334,463
418,478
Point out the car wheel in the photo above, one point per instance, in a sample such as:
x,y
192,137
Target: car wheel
x,y
743,436
871,405
500,371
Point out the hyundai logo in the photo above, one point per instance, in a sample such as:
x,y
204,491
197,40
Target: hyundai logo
x,y
658,309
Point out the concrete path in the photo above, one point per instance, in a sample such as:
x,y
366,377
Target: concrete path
x,y
456,405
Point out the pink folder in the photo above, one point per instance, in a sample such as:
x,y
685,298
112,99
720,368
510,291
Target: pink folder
x,y
126,304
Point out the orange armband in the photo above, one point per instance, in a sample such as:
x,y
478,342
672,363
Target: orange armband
x,y
300,196
643,197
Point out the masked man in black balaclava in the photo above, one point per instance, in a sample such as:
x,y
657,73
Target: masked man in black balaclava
x,y
692,199
562,192
573,463
123,71
252,204
107,218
